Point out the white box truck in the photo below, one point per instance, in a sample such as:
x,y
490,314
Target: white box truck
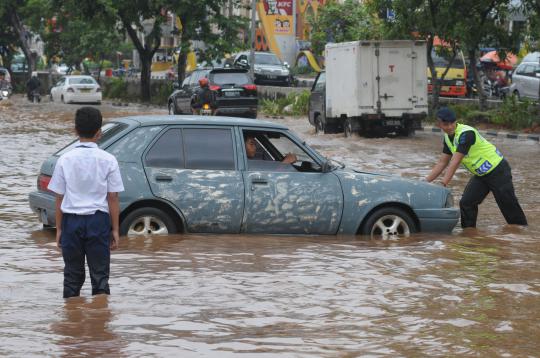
x,y
371,87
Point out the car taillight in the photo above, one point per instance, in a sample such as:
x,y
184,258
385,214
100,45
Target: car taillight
x,y
215,88
70,89
250,87
43,182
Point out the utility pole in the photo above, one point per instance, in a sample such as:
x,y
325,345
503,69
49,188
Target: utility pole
x,y
252,40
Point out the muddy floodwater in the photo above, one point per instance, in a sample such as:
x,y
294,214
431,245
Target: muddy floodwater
x,y
463,294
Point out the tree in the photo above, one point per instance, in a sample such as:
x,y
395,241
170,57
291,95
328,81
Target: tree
x,y
483,21
202,20
20,15
349,21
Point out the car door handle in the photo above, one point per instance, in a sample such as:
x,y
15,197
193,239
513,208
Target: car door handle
x,y
259,181
163,178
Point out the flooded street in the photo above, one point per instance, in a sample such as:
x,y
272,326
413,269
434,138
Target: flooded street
x,y
466,294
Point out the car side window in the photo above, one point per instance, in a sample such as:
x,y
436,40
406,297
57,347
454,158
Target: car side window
x,y
195,78
167,151
209,148
528,70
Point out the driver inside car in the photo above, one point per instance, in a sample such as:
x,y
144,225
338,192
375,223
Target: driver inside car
x,y
251,151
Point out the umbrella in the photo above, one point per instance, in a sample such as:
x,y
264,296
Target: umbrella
x,y
492,57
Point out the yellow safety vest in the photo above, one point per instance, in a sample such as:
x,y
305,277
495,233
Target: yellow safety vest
x,y
483,156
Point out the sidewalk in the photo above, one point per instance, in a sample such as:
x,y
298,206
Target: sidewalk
x,y
492,133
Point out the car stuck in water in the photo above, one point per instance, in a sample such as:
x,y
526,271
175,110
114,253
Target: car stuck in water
x,y
192,174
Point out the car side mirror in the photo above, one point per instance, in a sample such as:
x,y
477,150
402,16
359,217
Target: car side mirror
x,y
326,167
286,64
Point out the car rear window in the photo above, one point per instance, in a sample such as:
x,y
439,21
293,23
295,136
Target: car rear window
x,y
82,81
167,151
226,78
108,130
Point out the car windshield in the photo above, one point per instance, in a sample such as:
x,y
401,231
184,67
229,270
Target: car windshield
x,y
224,78
108,130
442,58
267,59
82,81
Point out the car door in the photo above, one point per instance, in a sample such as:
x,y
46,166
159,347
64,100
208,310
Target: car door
x,y
534,81
317,98
182,96
280,199
56,91
528,80
194,168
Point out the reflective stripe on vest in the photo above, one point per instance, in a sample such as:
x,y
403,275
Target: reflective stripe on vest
x,y
483,156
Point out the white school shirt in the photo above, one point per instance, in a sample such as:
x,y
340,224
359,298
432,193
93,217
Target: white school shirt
x,y
85,175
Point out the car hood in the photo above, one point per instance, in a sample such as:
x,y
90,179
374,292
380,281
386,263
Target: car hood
x,y
371,189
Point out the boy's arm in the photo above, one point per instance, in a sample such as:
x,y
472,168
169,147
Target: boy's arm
x,y
114,212
58,217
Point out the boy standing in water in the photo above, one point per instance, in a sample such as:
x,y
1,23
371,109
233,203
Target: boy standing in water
x,y
86,181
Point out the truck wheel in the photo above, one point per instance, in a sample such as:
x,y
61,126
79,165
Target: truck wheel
x,y
172,108
389,223
347,128
147,221
319,124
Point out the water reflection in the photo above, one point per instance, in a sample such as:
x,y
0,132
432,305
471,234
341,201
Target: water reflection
x,y
84,328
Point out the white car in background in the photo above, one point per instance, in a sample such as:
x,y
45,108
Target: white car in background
x,y
71,89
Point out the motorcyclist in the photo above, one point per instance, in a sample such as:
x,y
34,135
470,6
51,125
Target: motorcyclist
x,y
203,95
33,84
3,82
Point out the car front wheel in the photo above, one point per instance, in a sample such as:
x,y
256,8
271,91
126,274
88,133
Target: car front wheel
x,y
389,223
147,221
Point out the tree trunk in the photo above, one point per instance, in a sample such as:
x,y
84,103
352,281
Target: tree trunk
x,y
23,40
477,82
146,64
435,87
182,62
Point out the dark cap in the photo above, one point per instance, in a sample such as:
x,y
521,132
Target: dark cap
x,y
445,114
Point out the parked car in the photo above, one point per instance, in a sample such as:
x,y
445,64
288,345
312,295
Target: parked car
x,y
191,174
526,78
76,89
235,93
269,69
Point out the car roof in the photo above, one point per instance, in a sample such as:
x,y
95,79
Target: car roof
x,y
228,70
78,76
150,120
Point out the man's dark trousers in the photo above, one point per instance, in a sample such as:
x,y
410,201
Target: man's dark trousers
x,y
86,236
499,182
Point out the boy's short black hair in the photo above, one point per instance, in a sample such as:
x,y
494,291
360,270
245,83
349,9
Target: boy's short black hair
x,y
88,121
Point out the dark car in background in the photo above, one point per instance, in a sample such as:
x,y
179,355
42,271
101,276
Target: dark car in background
x,y
268,68
235,92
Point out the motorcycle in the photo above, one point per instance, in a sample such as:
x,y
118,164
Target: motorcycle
x,y
5,92
34,96
206,110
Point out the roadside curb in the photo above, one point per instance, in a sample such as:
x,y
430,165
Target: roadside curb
x,y
489,133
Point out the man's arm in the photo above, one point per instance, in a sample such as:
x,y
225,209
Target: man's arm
x,y
452,167
444,159
58,217
114,212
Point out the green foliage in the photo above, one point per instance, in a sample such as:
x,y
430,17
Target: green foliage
x,y
511,114
116,88
516,114
338,22
294,103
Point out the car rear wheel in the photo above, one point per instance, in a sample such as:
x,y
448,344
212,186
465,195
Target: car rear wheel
x,y
147,221
389,223
319,124
516,94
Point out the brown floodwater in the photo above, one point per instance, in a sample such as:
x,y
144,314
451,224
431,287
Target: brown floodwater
x,y
471,293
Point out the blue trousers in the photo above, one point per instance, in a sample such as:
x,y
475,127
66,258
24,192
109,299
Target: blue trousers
x,y
86,236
